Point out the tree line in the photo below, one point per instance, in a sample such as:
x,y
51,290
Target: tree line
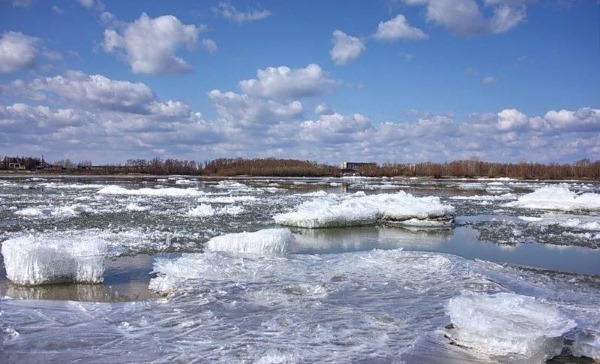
x,y
582,169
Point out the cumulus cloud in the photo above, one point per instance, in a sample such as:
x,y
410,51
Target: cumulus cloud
x,y
229,12
109,121
334,128
96,91
285,83
512,119
18,52
149,45
210,45
345,47
241,110
465,17
582,120
398,28
83,115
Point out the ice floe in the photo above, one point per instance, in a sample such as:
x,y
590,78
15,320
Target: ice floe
x,y
506,325
226,199
267,241
587,344
73,186
231,185
503,197
35,260
360,209
576,222
54,211
168,191
557,198
204,210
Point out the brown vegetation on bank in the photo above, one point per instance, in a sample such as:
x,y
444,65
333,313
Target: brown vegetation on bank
x,y
269,167
583,169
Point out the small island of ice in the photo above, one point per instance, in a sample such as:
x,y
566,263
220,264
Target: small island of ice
x,y
511,326
36,260
267,241
557,198
360,209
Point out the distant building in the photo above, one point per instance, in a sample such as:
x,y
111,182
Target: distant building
x,y
353,166
18,166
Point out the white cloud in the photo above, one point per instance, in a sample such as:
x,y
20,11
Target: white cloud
x,y
285,83
334,128
20,118
241,110
22,3
210,45
582,120
106,136
87,3
18,52
345,47
229,12
398,28
465,17
93,117
407,56
149,45
489,80
512,119
96,91
323,109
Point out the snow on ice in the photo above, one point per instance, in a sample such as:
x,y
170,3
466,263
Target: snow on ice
x,y
508,325
267,241
360,209
557,198
54,212
170,191
35,260
204,210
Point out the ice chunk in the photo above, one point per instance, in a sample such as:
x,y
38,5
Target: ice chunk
x,y
329,213
205,210
231,185
557,198
403,206
201,211
587,343
54,211
42,259
506,196
267,241
185,182
360,209
137,208
508,325
30,212
227,199
171,192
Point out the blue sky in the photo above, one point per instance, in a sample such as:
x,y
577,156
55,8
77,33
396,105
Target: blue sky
x,y
380,80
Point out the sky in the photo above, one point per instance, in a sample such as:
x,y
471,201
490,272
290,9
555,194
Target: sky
x,y
387,81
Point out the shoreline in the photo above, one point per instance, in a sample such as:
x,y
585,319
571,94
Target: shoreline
x,y
74,174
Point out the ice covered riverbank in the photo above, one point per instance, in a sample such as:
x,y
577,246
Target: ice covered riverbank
x,y
228,283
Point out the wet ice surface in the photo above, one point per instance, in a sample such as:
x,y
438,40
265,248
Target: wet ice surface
x,y
260,293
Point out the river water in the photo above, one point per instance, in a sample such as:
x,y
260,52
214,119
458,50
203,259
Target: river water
x,y
514,278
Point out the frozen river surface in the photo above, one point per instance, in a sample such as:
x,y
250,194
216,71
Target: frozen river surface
x,y
268,270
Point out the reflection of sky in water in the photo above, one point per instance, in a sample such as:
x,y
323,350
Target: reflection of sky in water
x,y
462,241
